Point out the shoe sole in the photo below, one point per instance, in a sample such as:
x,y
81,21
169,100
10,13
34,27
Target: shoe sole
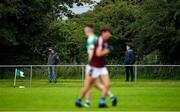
x,y
79,106
104,106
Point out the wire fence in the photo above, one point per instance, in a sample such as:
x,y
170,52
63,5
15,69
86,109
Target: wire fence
x,y
35,75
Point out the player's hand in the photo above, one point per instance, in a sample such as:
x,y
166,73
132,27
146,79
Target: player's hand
x,y
107,51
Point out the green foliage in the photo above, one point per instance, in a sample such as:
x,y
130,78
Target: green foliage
x,y
26,26
29,27
69,40
118,16
150,26
157,28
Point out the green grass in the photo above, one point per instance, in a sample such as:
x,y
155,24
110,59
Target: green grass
x,y
143,96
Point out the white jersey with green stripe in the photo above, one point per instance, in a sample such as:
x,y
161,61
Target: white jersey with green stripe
x,y
91,41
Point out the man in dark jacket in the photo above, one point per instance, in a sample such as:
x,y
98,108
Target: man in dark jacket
x,y
53,59
129,59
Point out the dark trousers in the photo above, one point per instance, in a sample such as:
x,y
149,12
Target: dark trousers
x,y
129,72
52,74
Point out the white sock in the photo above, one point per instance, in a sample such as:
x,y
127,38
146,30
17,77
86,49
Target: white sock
x,y
88,101
110,95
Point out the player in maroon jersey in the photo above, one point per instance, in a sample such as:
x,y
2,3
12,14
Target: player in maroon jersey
x,y
98,69
98,62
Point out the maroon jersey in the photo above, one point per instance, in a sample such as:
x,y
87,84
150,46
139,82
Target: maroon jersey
x,y
99,61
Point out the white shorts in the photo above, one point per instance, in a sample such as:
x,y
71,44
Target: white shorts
x,y
95,72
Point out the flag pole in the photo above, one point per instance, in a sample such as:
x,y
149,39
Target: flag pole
x,y
15,78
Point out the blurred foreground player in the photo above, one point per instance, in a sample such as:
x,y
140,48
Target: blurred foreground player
x,y
91,41
97,69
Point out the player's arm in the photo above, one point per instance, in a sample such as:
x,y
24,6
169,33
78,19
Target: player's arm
x,y
91,44
100,51
91,51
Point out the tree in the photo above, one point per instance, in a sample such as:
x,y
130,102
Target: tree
x,y
24,27
118,16
157,28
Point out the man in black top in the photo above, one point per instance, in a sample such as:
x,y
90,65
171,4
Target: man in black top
x,y
129,59
53,59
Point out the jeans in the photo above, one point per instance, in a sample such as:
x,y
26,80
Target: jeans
x,y
129,72
52,74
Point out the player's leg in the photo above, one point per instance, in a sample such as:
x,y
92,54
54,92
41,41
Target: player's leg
x,y
106,82
88,98
89,71
102,101
100,87
87,86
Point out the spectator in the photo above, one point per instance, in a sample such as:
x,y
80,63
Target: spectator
x,y
129,59
53,59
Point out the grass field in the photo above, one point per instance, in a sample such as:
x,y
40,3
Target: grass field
x,y
143,96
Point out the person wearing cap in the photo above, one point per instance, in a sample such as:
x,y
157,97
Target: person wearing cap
x,y
53,59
